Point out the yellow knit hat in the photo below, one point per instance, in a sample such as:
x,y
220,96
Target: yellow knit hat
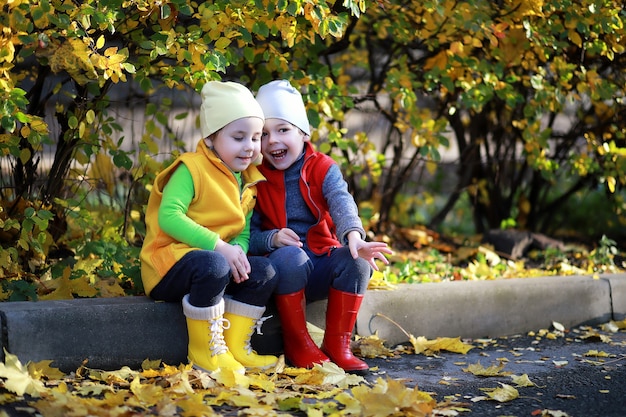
x,y
225,102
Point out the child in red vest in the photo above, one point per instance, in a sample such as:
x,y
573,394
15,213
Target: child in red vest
x,y
198,230
308,223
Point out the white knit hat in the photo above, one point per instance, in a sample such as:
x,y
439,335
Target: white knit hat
x,y
225,102
279,100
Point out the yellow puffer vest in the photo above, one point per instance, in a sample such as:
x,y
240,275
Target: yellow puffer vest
x,y
217,205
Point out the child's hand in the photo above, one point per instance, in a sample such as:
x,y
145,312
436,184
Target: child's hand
x,y
286,237
237,259
370,251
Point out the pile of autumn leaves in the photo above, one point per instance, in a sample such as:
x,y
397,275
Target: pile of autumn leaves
x,y
164,390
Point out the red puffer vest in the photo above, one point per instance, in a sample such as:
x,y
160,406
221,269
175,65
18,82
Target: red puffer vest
x,y
271,199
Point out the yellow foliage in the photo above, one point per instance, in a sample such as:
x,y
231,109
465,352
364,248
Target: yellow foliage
x,y
103,170
440,60
378,281
65,288
108,288
528,7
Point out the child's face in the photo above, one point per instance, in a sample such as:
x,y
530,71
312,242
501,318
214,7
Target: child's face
x,y
281,143
238,143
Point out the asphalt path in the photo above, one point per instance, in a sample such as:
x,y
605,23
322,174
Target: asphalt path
x,y
577,373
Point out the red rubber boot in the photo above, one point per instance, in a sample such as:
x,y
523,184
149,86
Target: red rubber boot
x,y
340,319
300,349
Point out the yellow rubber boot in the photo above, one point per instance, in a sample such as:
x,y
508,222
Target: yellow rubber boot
x,y
244,320
207,350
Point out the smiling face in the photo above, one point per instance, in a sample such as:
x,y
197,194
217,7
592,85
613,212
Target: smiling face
x,y
238,143
282,143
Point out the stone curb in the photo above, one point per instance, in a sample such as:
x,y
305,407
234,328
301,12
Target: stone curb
x,y
107,332
110,333
481,309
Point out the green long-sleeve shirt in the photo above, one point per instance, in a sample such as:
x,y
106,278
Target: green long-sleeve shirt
x,y
173,219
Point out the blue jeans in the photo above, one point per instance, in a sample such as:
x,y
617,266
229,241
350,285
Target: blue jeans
x,y
298,269
205,276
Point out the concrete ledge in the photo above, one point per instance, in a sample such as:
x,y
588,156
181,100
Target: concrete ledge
x,y
617,283
477,309
113,332
108,332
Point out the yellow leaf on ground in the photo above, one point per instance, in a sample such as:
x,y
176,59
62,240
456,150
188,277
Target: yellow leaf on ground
x,y
522,381
147,394
391,397
620,324
598,354
493,370
262,381
43,369
17,379
352,407
335,375
503,394
91,388
242,397
554,413
230,378
371,347
430,347
120,376
192,405
593,335
611,327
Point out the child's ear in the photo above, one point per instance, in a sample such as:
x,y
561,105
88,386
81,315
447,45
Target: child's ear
x,y
305,137
208,141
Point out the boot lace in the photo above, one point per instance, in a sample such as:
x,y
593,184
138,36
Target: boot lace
x,y
257,327
218,345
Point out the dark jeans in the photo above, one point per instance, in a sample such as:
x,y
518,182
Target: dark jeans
x,y
205,276
298,269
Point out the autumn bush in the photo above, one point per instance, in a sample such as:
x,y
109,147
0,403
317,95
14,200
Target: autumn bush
x,y
515,109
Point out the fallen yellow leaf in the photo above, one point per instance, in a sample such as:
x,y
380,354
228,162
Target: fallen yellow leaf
x,y
430,347
522,381
503,394
17,377
370,347
493,370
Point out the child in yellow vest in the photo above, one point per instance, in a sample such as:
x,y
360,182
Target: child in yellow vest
x,y
198,230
